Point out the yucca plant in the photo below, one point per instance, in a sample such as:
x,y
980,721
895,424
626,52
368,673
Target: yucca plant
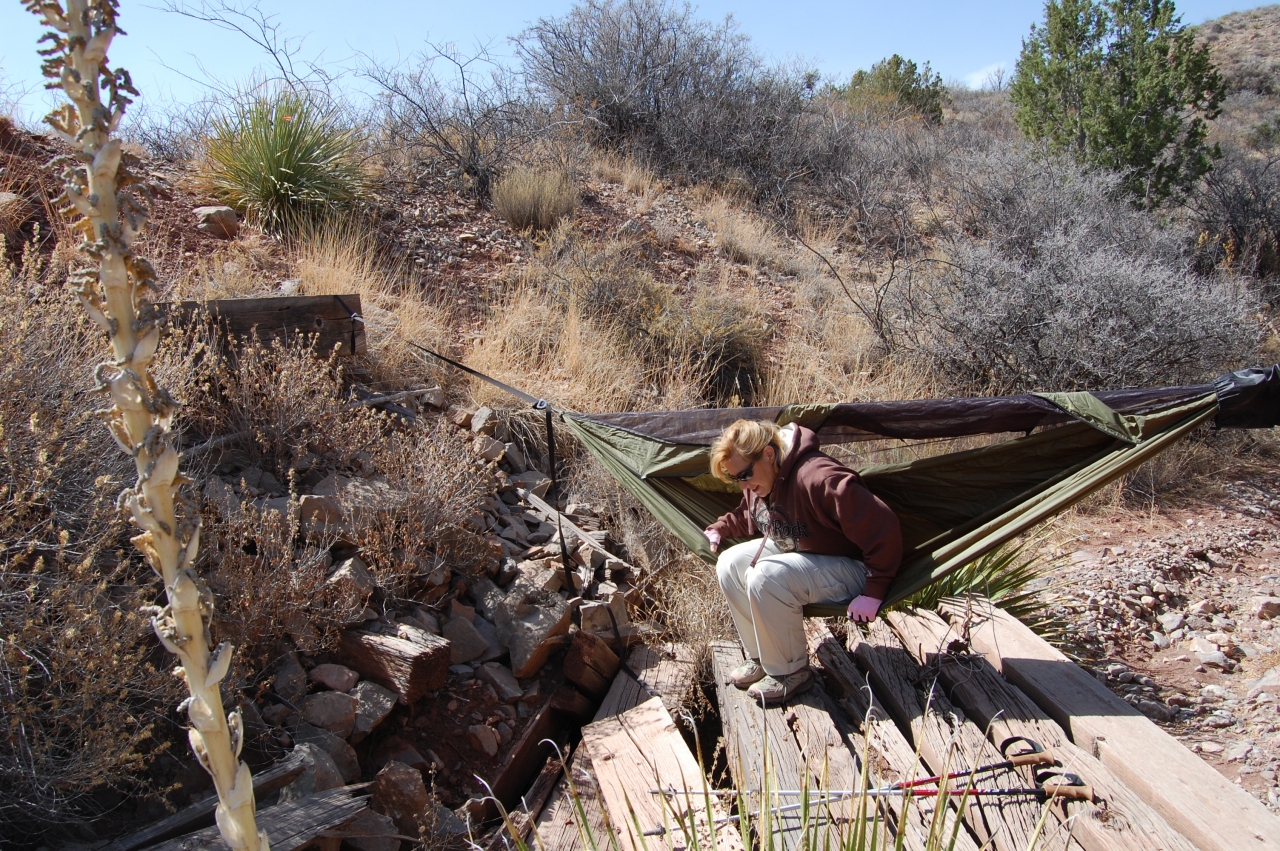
x,y
1009,576
105,197
283,161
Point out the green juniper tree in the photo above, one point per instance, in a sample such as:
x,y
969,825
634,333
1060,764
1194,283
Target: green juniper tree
x,y
897,80
1120,84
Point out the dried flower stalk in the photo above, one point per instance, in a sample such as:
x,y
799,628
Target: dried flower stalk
x,y
105,198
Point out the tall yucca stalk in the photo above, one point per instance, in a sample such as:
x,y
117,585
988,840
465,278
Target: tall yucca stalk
x,y
103,197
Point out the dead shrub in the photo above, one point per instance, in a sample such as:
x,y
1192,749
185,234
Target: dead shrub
x,y
432,483
79,689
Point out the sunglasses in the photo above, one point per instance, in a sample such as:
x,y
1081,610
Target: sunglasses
x,y
748,472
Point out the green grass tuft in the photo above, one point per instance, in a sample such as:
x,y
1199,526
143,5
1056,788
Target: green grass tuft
x,y
283,161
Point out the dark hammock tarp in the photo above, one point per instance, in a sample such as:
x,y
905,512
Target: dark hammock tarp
x,y
954,507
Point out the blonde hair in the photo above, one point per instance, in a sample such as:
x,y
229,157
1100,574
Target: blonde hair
x,y
748,438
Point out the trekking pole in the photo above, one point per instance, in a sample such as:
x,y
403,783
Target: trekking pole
x,y
1037,755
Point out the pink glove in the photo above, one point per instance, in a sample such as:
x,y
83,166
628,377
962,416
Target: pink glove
x,y
714,537
863,609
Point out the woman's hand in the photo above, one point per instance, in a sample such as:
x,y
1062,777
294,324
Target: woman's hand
x,y
713,537
864,609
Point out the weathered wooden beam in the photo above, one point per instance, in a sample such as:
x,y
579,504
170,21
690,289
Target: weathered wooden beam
x,y
590,664
638,751
409,668
1195,799
949,742
200,814
896,758
286,318
1119,820
289,826
573,818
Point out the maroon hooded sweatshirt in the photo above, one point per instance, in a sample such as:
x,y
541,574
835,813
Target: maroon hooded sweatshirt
x,y
818,505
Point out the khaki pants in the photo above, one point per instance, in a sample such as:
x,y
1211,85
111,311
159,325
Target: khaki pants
x,y
766,600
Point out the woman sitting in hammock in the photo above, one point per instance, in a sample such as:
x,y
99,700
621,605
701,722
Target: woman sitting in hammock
x,y
824,537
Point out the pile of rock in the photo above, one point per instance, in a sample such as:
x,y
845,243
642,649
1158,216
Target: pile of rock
x,y
474,642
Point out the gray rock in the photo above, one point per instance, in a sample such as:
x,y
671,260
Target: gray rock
x,y
1214,659
335,677
371,831
222,497
355,572
1170,621
330,710
1238,752
220,222
527,619
1269,682
465,643
344,756
373,704
290,681
320,773
502,680
1219,719
489,633
1160,640
483,738
1155,710
399,793
533,481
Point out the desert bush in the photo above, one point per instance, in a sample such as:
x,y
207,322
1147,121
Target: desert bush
x,y
79,687
283,161
533,199
1072,316
473,117
171,132
1238,210
896,83
685,94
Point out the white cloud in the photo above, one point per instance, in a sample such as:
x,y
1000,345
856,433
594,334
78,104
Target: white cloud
x,y
982,77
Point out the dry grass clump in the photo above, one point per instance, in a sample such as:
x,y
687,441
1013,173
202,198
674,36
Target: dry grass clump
x,y
591,328
631,174
534,199
741,237
344,258
79,689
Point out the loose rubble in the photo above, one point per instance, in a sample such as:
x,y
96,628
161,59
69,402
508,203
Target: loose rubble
x,y
420,695
1180,624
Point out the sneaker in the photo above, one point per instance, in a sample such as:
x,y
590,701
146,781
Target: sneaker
x,y
747,673
776,690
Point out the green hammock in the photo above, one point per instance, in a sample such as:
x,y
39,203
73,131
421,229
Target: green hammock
x,y
954,508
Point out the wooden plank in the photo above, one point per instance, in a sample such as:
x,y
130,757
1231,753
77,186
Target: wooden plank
x,y
524,760
409,668
1196,800
1120,819
200,814
590,664
665,672
896,760
640,750
521,818
560,825
948,742
286,318
289,826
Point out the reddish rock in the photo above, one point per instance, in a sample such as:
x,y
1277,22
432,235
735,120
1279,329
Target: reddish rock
x,y
332,711
399,793
335,677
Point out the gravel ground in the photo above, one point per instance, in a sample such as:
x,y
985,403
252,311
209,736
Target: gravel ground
x,y
1174,612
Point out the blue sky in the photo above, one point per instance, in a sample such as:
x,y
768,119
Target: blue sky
x,y
171,58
